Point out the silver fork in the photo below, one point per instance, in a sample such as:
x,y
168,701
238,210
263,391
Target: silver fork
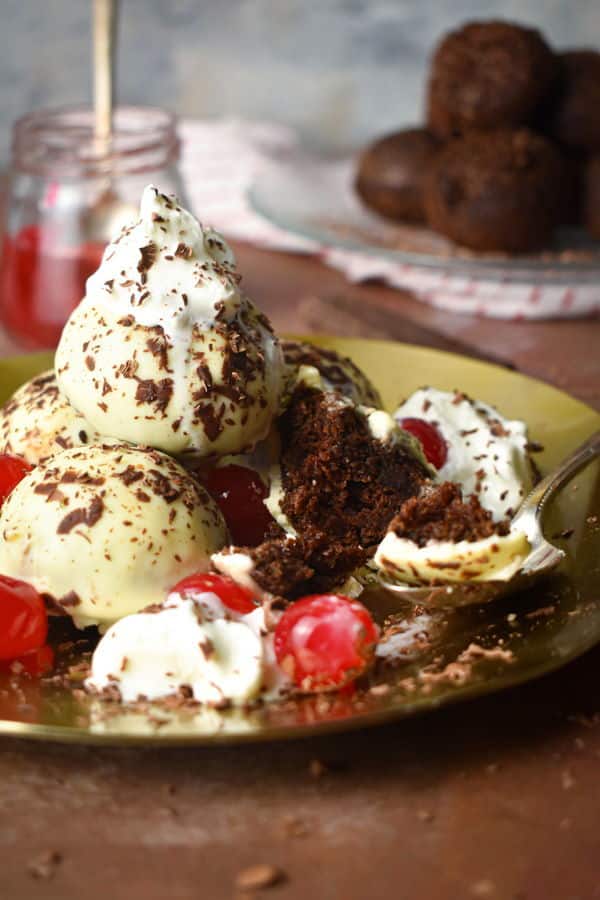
x,y
543,556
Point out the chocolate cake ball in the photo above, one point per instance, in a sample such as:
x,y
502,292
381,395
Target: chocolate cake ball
x,y
591,197
574,118
488,75
391,174
496,190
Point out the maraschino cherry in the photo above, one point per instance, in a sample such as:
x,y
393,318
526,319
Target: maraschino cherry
x,y
325,641
239,493
232,595
23,618
434,446
12,470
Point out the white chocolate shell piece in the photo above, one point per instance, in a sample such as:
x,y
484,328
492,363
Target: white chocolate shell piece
x,y
495,558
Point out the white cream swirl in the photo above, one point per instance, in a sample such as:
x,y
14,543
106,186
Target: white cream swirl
x,y
166,269
196,644
487,454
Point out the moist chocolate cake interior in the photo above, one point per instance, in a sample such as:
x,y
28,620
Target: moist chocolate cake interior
x,y
341,489
440,514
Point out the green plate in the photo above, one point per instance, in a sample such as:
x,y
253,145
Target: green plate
x,y
539,630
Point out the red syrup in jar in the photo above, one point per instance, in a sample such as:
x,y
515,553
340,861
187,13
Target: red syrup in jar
x,y
42,279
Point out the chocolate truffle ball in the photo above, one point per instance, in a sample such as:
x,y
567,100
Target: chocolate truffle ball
x,y
488,75
497,190
391,173
574,117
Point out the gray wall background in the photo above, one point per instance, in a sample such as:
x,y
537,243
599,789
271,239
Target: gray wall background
x,y
339,70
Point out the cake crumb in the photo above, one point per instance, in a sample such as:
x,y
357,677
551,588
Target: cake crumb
x,y
538,613
318,768
294,827
567,780
483,888
379,690
261,875
476,651
44,866
425,815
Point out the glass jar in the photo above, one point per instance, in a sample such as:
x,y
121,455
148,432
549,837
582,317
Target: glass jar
x,y
67,196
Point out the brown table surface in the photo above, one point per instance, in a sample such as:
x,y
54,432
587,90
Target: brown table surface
x,y
498,798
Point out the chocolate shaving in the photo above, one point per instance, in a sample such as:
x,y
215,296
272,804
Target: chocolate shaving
x,y
77,517
158,393
148,256
184,251
130,475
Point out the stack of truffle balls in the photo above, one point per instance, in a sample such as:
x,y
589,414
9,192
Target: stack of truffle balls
x,y
511,148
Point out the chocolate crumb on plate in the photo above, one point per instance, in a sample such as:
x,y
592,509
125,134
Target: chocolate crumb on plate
x,y
318,768
294,827
564,534
261,875
425,815
44,866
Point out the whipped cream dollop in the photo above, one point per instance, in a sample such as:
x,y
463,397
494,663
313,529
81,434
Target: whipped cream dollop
x,y
487,454
166,269
192,645
164,349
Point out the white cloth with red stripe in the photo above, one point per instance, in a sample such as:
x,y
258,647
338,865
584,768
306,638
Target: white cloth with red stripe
x,y
220,159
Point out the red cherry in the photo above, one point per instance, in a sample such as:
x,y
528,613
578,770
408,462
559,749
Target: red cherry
x,y
12,470
23,618
325,641
231,594
435,447
239,493
35,663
